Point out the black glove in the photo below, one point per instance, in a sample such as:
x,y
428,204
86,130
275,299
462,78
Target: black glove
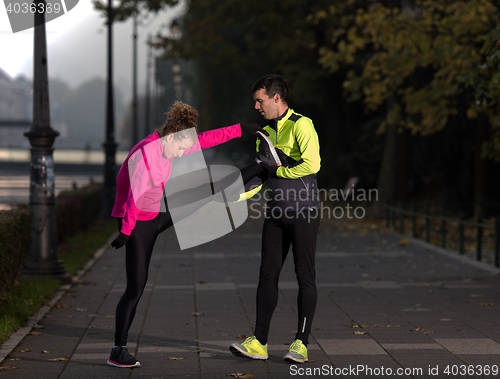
x,y
120,241
253,129
270,169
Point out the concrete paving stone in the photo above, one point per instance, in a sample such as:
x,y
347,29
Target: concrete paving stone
x,y
361,346
461,346
411,346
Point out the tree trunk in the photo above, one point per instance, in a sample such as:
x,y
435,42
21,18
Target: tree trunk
x,y
480,165
394,171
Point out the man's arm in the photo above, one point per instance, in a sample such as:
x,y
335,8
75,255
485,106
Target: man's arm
x,y
307,140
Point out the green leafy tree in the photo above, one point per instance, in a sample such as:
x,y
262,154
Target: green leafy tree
x,y
417,54
424,65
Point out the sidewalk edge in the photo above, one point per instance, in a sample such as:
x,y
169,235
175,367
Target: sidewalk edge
x,y
10,343
455,255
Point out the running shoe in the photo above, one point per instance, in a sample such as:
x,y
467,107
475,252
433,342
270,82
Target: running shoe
x,y
267,153
297,352
120,357
251,348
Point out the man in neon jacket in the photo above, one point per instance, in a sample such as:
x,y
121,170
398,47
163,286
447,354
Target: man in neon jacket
x,y
292,216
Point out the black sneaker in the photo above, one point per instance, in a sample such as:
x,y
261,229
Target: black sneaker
x,y
267,153
120,357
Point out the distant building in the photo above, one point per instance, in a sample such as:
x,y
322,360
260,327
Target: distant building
x,y
16,109
16,113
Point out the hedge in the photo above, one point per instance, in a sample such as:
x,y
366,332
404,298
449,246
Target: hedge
x,y
15,241
76,210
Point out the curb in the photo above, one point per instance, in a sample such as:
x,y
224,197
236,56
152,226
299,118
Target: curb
x,y
455,255
10,343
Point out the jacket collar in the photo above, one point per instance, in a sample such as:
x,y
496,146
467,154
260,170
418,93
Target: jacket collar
x,y
278,122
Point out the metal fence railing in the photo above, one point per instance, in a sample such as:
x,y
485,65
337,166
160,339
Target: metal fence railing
x,y
393,212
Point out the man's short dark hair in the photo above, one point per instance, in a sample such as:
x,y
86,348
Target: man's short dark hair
x,y
273,84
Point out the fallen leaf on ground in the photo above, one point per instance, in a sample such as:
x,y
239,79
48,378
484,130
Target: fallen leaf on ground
x,y
25,351
404,242
47,351
240,336
61,305
360,332
422,330
485,304
81,310
198,314
59,359
7,367
34,334
38,326
197,351
175,358
241,375
110,316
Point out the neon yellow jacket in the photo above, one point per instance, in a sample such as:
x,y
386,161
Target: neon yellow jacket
x,y
294,184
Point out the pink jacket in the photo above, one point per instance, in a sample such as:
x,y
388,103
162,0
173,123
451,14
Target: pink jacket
x,y
150,171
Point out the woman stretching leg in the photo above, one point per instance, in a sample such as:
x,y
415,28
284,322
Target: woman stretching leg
x,y
140,222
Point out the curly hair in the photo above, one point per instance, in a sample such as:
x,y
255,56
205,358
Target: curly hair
x,y
180,117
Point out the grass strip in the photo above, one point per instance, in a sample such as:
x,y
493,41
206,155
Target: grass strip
x,y
29,294
24,299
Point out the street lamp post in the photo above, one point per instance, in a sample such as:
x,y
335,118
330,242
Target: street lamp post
x,y
42,259
135,133
109,144
148,89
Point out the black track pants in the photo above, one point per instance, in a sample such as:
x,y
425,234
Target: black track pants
x,y
138,255
139,249
299,230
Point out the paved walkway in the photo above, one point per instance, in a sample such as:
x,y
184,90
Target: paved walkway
x,y
384,310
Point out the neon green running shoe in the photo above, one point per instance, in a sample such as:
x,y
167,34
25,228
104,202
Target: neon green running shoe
x,y
297,352
251,348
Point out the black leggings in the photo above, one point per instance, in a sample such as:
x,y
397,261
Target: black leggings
x,y
139,249
299,230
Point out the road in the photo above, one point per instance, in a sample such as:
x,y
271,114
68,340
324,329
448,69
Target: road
x,y
14,180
